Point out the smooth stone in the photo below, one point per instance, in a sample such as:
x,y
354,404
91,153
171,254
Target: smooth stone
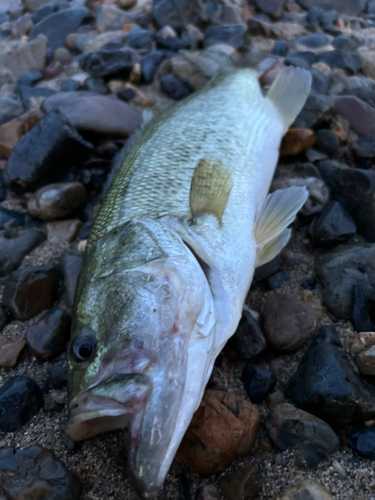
x,y
42,12
308,489
241,484
176,14
57,201
288,324
365,361
48,338
334,225
326,142
96,113
12,251
263,272
230,34
350,7
363,442
298,62
345,42
59,25
9,107
173,44
361,318
320,81
7,215
174,87
365,148
295,141
35,472
140,38
150,64
10,351
280,49
338,58
95,86
71,265
20,399
11,132
273,8
28,292
63,56
314,40
70,85
42,155
295,429
360,115
63,231
274,398
277,280
317,109
106,63
323,16
326,385
110,18
79,42
248,339
258,382
58,376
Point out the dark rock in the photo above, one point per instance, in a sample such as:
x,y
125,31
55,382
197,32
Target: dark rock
x,y
258,382
48,338
334,225
173,44
3,188
53,70
273,8
345,42
263,272
309,284
35,472
27,93
140,38
58,376
338,58
365,148
288,323
174,87
96,86
150,64
241,484
207,492
325,17
311,437
109,18
280,49
28,292
70,85
20,399
178,13
320,81
71,265
44,153
3,318
184,487
361,319
363,442
298,62
276,280
7,215
9,108
316,110
107,63
229,34
30,78
326,142
313,40
42,12
12,251
359,114
350,7
59,25
248,339
327,386
354,189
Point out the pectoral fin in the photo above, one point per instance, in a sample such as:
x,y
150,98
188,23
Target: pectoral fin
x,y
210,189
279,210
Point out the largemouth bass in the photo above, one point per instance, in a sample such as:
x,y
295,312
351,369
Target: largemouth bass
x,y
170,260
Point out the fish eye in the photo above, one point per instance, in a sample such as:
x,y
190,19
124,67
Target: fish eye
x,y
83,348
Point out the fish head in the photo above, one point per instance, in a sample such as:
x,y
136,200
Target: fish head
x,y
139,297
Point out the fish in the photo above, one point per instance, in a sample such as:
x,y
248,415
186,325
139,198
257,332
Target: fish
x,y
170,259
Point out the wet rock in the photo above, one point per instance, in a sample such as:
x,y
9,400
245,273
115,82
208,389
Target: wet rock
x,y
339,270
174,87
110,18
248,339
13,250
222,429
230,34
48,338
7,215
150,64
258,382
106,63
360,115
327,386
46,477
296,141
309,489
310,436
365,361
326,142
59,25
242,484
288,324
28,292
11,132
354,189
57,201
10,351
363,442
58,376
64,231
9,107
350,7
314,40
44,153
20,399
334,225
95,113
361,319
277,280
71,265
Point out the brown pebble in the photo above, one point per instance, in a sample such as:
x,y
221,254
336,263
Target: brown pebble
x,y
265,444
275,398
10,351
296,141
241,484
11,132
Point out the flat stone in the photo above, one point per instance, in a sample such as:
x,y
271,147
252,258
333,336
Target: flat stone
x,y
326,142
13,250
248,339
64,231
57,201
334,225
345,42
44,153
338,58
295,141
106,63
258,382
363,442
71,265
314,40
11,132
30,291
20,399
241,484
110,18
10,351
174,87
9,107
309,489
229,34
273,8
350,7
360,115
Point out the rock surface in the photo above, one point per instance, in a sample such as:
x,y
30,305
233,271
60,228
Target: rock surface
x,y
334,225
309,489
13,250
363,442
10,351
241,484
248,339
258,382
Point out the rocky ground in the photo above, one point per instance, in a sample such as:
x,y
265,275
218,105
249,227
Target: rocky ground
x,y
290,408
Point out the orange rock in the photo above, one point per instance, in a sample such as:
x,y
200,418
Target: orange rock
x,y
296,141
12,131
222,429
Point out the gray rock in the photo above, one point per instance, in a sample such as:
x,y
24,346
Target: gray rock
x,y
334,225
9,107
338,58
229,34
316,110
150,64
12,251
176,13
313,40
273,8
110,18
63,56
248,339
243,483
345,43
295,429
107,63
351,7
308,489
359,114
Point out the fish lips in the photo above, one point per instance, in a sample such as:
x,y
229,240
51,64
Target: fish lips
x,y
107,405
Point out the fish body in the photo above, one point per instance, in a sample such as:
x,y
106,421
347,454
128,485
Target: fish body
x,y
170,260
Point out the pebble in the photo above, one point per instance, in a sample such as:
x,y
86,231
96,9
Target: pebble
x,y
58,376
273,8
7,216
229,34
70,85
274,398
288,324
311,438
314,40
277,280
258,382
13,250
248,339
9,108
365,148
334,225
349,7
46,477
150,64
361,116
320,81
140,38
48,338
207,492
53,70
295,141
280,49
71,265
241,484
326,385
12,131
345,42
3,318
317,110
30,291
222,429
365,361
101,114
326,142
363,442
110,18
44,153
63,56
64,231
309,489
174,87
20,399
10,351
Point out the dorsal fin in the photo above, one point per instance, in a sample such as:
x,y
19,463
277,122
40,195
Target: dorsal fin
x,y
289,92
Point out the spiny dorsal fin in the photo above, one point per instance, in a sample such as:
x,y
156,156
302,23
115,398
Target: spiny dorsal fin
x,y
279,210
210,189
289,93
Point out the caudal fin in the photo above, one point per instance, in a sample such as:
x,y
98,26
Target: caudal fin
x,y
289,93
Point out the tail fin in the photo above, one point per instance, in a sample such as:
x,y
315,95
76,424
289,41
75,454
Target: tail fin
x,y
289,93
